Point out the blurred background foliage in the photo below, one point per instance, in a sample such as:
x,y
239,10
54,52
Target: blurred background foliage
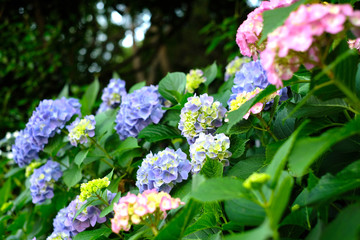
x,y
47,45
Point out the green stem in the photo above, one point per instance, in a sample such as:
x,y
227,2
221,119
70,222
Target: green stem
x,y
101,199
347,115
104,151
154,230
266,126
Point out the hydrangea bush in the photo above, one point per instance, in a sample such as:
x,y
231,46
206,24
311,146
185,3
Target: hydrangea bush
x,y
264,148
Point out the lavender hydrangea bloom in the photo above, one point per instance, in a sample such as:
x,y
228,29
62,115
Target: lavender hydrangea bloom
x,y
60,230
252,75
137,110
59,236
88,217
214,147
163,170
80,130
24,150
112,95
200,115
49,117
42,181
235,66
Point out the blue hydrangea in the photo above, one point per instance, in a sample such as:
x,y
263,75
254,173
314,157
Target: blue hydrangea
x,y
112,95
137,110
60,230
47,119
235,66
252,75
200,115
80,130
42,181
24,150
88,217
214,147
59,236
163,170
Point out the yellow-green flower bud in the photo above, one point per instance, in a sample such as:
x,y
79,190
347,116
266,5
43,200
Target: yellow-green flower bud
x,y
6,206
31,167
194,79
256,180
87,189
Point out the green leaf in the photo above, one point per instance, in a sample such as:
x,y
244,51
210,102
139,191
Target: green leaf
x,y
280,159
109,208
137,86
93,234
244,212
89,97
72,176
218,189
54,145
237,145
207,220
308,149
210,73
212,168
64,92
175,229
330,186
263,232
275,18
5,192
345,226
283,126
80,156
226,86
244,168
222,97
158,132
126,145
172,86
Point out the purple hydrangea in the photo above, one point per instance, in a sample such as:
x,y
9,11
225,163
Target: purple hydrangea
x,y
47,119
59,236
42,181
163,170
112,95
24,149
88,217
80,130
214,147
200,115
138,110
252,75
235,66
60,230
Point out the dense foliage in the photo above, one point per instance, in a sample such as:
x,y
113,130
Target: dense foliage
x,y
272,154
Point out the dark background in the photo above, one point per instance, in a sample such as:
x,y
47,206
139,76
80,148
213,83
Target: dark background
x,y
48,44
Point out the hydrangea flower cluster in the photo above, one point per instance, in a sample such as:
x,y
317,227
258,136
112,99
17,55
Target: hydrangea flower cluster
x,y
87,189
60,230
42,181
354,44
112,95
194,79
134,209
47,119
208,146
300,39
80,130
200,115
163,170
235,66
138,109
88,217
249,32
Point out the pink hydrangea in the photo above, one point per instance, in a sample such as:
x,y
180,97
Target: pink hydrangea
x,y
300,39
354,44
250,30
134,209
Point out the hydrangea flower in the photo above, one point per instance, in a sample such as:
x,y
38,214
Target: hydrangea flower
x,y
24,149
88,217
249,32
47,119
138,109
134,209
163,170
194,79
42,181
235,66
87,189
214,147
80,130
300,39
60,230
112,95
200,114
59,236
354,44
